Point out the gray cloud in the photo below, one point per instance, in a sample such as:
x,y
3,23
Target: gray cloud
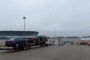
x,y
70,17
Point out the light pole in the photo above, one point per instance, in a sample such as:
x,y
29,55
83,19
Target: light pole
x,y
54,37
24,25
55,32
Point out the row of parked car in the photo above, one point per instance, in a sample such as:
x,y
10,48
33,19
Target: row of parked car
x,y
21,42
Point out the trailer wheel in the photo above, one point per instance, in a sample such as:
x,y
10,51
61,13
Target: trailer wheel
x,y
41,45
15,49
22,48
46,44
29,46
18,48
25,47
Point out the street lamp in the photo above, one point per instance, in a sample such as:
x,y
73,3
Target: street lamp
x,y
54,37
55,32
24,25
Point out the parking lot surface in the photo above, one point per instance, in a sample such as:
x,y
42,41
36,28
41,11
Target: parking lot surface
x,y
65,52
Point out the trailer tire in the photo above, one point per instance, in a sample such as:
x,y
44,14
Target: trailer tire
x,y
18,48
22,48
25,47
46,44
29,47
40,45
15,49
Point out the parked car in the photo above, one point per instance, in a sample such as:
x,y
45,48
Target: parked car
x,y
37,40
82,42
33,40
43,40
16,42
48,42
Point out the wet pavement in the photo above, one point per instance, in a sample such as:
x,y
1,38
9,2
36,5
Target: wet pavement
x,y
65,52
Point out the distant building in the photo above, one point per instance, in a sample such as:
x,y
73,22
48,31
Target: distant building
x,y
61,37
85,36
48,37
9,34
73,37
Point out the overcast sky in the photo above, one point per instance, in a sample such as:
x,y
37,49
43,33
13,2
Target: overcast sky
x,y
70,17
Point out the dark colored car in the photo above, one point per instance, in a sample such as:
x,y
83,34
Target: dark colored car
x,y
43,40
16,42
33,40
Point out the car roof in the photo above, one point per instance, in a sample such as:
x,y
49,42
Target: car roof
x,y
19,37
32,36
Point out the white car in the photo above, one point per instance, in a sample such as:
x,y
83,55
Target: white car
x,y
82,42
48,42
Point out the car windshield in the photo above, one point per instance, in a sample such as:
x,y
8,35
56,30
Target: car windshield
x,y
12,39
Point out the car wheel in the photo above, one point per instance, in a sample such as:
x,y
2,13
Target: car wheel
x,y
26,42
17,45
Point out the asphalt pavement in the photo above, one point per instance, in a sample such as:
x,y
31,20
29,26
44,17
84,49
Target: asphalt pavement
x,y
64,52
